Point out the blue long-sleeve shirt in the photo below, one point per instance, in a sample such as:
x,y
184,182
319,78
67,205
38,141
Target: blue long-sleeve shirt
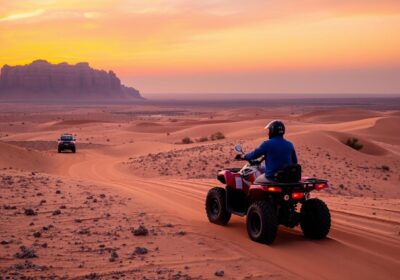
x,y
278,152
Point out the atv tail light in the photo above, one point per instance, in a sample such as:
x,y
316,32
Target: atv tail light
x,y
274,189
297,195
319,187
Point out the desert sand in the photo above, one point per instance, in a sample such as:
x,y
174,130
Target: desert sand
x,y
130,203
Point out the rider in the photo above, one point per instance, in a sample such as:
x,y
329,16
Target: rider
x,y
277,151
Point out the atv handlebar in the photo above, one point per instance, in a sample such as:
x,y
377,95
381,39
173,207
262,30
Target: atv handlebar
x,y
250,161
255,161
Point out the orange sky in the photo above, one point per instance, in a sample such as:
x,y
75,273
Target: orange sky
x,y
215,45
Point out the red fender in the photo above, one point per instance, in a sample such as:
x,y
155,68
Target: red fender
x,y
233,180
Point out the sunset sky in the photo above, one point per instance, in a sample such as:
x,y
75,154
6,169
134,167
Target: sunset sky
x,y
215,46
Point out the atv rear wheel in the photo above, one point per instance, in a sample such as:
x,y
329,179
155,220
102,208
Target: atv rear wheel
x,y
315,219
216,206
59,150
74,150
262,222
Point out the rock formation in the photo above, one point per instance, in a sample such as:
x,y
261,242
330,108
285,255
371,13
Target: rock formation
x,y
43,80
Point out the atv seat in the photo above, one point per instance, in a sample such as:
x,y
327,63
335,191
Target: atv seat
x,y
289,174
261,180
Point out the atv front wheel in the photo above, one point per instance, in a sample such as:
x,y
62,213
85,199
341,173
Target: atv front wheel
x,y
262,222
74,150
216,206
315,219
59,150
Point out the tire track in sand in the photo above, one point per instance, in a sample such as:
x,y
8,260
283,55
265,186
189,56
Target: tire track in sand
x,y
348,253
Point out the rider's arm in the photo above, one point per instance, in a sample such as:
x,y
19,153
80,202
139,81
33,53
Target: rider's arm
x,y
294,156
258,152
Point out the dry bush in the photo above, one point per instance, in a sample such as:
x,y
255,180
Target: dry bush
x,y
187,140
385,168
217,136
353,143
202,139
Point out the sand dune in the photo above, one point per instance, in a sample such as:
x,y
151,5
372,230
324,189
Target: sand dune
x,y
173,125
368,146
229,129
251,113
385,130
155,127
348,237
129,173
16,157
70,123
393,113
338,115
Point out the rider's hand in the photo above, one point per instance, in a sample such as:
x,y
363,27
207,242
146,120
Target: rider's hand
x,y
238,157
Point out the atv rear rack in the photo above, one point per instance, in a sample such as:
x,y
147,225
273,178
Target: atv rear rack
x,y
307,182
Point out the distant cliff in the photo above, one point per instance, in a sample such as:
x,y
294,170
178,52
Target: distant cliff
x,y
43,80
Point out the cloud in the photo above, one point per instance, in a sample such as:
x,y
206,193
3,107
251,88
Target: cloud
x,y
41,15
21,16
92,15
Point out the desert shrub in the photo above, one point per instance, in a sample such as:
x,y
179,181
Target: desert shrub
x,y
385,168
353,143
186,140
217,135
202,139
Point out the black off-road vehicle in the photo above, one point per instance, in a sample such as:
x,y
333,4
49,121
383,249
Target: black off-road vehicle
x,y
67,142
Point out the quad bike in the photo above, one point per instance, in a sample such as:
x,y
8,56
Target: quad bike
x,y
268,205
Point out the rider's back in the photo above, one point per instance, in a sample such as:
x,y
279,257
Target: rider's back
x,y
278,153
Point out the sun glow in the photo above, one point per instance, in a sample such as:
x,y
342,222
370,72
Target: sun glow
x,y
144,38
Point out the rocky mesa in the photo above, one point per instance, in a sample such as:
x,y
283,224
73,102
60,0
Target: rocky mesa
x,y
43,80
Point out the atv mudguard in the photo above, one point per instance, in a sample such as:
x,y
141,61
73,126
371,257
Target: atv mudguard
x,y
232,180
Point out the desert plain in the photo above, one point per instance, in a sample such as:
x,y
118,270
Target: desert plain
x,y
129,204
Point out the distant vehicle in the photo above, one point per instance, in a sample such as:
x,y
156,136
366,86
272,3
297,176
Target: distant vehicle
x,y
66,142
270,204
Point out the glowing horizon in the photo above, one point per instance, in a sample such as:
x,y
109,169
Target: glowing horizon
x,y
178,46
